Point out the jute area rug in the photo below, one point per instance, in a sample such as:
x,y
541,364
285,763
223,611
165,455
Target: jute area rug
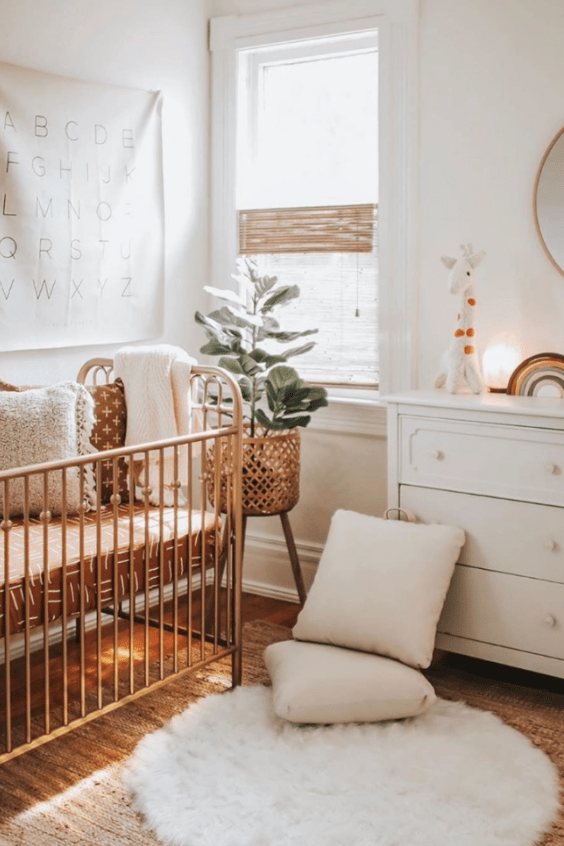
x,y
70,791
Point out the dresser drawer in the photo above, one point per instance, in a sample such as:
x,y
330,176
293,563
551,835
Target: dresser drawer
x,y
512,537
504,461
510,611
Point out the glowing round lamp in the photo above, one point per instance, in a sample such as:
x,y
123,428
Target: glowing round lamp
x,y
498,363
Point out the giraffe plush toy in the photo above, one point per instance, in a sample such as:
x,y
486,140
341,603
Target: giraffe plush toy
x,y
461,364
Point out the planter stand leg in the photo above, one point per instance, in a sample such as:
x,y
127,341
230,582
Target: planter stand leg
x,y
294,560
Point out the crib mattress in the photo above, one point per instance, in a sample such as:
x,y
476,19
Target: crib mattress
x,y
123,545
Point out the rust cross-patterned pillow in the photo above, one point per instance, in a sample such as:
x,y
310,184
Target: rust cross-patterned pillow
x,y
109,433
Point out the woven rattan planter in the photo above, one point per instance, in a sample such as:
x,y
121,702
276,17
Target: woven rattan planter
x,y
271,473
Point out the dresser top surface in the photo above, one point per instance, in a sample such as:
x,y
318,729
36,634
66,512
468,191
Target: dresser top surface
x,y
545,407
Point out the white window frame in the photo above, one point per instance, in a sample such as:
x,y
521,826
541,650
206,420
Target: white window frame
x,y
397,24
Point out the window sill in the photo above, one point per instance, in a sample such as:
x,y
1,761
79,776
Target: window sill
x,y
353,414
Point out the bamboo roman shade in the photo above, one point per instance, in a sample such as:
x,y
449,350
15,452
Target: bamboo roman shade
x,y
315,229
331,254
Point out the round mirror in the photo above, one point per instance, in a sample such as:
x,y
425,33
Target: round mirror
x,y
549,201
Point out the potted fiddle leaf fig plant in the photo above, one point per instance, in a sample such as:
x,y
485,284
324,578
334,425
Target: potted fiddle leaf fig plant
x,y
246,336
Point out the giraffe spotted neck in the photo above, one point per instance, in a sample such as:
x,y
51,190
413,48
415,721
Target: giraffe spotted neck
x,y
465,331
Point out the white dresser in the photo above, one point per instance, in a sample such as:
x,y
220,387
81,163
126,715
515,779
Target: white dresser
x,y
493,465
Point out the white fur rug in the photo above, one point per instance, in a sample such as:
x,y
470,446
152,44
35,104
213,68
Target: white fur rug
x,y
228,772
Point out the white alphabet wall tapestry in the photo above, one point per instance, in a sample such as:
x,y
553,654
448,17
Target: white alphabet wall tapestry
x,y
81,196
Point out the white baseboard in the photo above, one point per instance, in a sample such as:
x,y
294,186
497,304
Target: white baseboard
x,y
267,570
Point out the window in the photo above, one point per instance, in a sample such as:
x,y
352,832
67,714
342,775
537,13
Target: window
x,y
306,189
283,112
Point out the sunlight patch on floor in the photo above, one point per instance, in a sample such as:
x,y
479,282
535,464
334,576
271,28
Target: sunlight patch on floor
x,y
100,777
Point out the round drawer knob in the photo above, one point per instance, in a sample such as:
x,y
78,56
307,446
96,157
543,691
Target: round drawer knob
x,y
550,545
550,620
436,454
551,468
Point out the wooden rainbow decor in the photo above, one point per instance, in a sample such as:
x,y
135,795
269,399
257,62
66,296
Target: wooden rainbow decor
x,y
539,375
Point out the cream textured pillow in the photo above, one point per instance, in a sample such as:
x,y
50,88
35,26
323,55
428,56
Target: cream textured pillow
x,y
314,683
380,586
45,424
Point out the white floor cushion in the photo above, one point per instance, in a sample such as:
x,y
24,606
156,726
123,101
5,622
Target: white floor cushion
x,y
380,586
315,683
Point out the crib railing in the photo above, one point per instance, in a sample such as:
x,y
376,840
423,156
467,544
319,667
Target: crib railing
x,y
100,606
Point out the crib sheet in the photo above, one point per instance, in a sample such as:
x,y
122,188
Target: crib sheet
x,y
128,536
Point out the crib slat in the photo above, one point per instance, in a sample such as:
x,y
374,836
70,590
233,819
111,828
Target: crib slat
x,y
175,563
161,552
45,517
131,490
27,607
81,629
64,618
115,581
228,552
146,552
237,562
203,556
6,526
190,562
99,686
217,551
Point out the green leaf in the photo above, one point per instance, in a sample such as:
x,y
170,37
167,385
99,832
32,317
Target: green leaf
x,y
283,376
226,294
294,398
303,400
245,385
227,317
313,405
249,365
243,364
269,422
318,402
215,347
264,284
221,316
207,322
279,424
280,297
318,393
284,337
265,421
231,364
266,358
292,422
271,395
215,328
269,325
298,350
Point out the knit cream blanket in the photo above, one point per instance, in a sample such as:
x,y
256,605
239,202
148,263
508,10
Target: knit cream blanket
x,y
156,381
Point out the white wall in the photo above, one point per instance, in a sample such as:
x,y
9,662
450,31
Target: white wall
x,y
343,465
491,100
142,44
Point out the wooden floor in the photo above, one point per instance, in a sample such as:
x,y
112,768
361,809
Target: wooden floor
x,y
65,683
254,607
270,610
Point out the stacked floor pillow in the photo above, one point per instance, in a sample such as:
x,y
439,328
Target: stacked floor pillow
x,y
368,626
